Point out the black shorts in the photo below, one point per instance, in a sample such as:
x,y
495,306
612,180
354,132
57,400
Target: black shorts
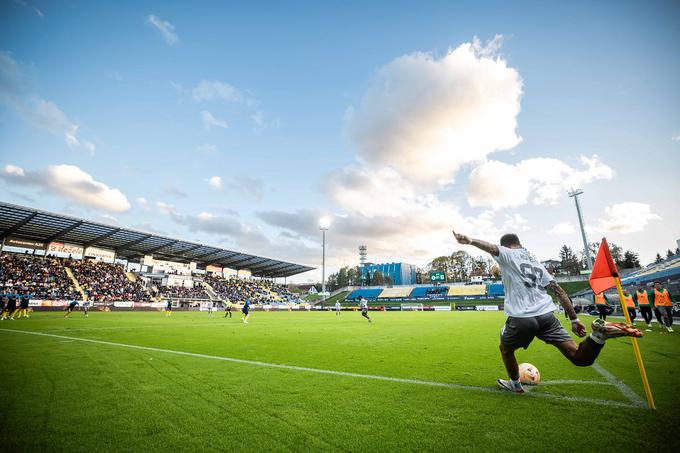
x,y
520,332
245,311
168,307
71,306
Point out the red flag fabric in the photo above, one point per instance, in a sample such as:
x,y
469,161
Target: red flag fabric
x,y
604,270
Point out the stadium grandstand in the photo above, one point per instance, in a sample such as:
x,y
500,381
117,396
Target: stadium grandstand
x,y
452,292
56,258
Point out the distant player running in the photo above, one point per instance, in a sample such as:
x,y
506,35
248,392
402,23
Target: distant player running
x,y
530,310
642,298
338,307
602,304
663,305
71,306
10,307
246,311
363,304
210,309
227,308
23,306
86,307
630,304
168,308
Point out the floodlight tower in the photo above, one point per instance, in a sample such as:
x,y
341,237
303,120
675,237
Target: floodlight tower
x,y
363,253
324,223
574,193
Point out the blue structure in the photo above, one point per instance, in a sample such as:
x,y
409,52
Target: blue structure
x,y
366,293
399,273
495,290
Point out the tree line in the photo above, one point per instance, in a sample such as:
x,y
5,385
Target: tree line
x,y
460,266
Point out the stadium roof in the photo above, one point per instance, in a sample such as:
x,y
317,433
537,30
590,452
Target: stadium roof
x,y
32,224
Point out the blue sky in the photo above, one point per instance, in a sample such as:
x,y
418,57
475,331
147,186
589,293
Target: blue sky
x,y
240,125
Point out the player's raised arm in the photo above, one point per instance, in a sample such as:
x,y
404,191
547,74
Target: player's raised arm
x,y
482,245
576,326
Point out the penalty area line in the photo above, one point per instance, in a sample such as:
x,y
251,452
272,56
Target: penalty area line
x,y
334,372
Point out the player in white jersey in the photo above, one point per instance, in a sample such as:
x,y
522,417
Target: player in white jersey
x,y
530,310
210,309
363,304
338,307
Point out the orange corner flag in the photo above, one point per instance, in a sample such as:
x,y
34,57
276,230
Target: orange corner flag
x,y
604,270
605,275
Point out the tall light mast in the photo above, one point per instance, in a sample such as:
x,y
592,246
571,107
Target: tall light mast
x,y
574,193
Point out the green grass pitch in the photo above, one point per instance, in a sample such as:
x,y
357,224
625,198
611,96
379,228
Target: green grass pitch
x,y
63,394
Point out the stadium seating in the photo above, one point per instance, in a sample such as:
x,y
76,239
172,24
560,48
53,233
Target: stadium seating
x,y
429,291
495,290
666,269
106,282
367,293
181,292
467,290
42,278
237,289
396,292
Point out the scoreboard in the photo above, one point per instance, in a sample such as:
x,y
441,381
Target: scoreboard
x,y
436,277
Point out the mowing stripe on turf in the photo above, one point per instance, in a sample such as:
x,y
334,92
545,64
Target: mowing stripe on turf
x,y
334,372
623,388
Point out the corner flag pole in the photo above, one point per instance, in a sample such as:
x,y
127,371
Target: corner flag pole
x,y
636,347
605,275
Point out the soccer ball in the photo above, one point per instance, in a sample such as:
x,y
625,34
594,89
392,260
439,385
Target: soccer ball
x,y
529,374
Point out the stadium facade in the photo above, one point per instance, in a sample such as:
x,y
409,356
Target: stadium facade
x,y
398,273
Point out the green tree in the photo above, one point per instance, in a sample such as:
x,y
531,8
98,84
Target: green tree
x,y
570,263
630,260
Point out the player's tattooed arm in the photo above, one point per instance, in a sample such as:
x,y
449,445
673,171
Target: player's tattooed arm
x,y
576,326
482,245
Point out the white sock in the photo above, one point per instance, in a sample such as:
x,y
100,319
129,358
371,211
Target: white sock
x,y
598,337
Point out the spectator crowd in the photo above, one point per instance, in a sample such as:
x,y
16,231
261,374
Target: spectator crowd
x,y
39,277
182,292
258,291
107,282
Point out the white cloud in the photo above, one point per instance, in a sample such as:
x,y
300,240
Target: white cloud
x,y
676,138
499,185
72,183
13,170
426,116
165,27
38,112
165,208
628,217
25,4
214,90
215,182
207,149
143,204
562,229
209,121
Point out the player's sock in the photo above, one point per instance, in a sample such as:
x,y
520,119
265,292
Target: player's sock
x,y
598,337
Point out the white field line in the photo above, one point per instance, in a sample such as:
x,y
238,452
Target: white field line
x,y
332,372
150,326
633,397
